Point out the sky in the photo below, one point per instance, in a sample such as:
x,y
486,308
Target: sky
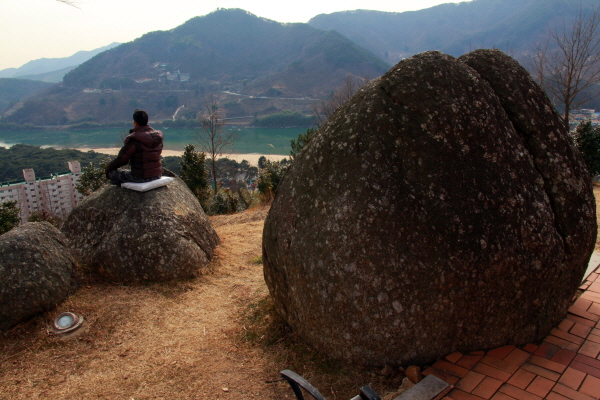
x,y
32,29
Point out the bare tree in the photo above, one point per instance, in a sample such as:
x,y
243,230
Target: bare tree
x,y
213,139
567,63
537,63
324,108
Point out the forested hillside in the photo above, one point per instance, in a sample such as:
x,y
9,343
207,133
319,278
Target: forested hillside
x,y
13,90
513,26
255,67
232,46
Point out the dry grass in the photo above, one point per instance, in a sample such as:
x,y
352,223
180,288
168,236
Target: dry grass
x,y
213,337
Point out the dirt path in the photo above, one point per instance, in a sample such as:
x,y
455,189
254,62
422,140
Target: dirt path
x,y
175,341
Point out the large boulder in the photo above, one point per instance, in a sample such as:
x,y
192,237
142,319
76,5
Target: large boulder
x,y
35,272
129,236
542,130
443,208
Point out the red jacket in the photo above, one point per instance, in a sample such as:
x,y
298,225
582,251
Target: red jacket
x,y
142,151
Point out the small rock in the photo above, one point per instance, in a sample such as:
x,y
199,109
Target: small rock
x,y
392,396
387,371
406,384
414,374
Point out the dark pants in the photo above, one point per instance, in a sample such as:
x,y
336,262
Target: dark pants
x,y
119,176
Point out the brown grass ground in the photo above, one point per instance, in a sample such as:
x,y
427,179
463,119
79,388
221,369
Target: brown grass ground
x,y
214,337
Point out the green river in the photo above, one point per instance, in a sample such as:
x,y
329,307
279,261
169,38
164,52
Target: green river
x,y
250,140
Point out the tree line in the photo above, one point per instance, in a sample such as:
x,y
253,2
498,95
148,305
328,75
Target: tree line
x,y
44,162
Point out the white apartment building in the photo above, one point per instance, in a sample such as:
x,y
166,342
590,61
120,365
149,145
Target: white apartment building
x,y
54,194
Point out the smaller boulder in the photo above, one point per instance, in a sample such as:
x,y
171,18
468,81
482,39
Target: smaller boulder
x,y
128,236
414,374
36,269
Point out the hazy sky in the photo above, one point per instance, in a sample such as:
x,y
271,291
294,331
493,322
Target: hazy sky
x,y
32,29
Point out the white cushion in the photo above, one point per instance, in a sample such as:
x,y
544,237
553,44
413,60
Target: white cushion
x,y
143,187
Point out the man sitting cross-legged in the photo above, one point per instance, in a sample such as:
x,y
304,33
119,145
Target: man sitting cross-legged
x,y
141,150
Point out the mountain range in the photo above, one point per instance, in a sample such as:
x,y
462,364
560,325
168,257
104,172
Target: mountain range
x,y
236,47
513,26
258,66
52,69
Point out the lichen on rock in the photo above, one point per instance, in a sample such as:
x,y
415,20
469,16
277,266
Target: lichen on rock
x,y
442,208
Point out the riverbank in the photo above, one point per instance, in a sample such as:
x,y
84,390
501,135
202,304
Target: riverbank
x,y
252,158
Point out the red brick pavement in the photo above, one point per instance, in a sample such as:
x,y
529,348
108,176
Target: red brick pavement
x,y
565,366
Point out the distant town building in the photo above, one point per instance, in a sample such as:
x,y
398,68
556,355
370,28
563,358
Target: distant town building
x,y
578,116
54,194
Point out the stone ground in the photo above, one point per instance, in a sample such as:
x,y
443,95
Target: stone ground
x,y
566,365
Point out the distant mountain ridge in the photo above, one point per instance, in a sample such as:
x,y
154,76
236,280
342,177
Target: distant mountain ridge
x,y
50,77
44,66
513,26
233,45
260,67
255,65
13,90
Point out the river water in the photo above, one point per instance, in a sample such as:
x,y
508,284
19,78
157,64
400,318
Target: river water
x,y
249,140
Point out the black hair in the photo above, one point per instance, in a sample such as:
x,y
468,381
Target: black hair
x,y
141,117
